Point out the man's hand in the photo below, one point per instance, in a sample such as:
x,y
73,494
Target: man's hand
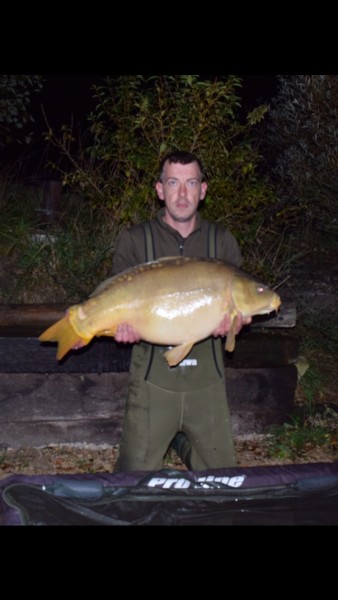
x,y
225,325
125,333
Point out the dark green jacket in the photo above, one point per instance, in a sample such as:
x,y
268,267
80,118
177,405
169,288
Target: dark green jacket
x,y
204,364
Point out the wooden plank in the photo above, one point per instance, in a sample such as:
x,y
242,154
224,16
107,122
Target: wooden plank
x,y
28,355
259,398
104,355
40,409
286,317
29,319
259,348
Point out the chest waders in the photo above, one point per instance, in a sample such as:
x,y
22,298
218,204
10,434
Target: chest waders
x,y
204,364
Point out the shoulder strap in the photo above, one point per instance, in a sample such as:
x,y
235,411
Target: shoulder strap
x,y
212,234
212,253
149,241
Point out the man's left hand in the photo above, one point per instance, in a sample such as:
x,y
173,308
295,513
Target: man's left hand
x,y
225,325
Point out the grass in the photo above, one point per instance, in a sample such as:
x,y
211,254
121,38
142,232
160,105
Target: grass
x,y
269,254
56,263
292,439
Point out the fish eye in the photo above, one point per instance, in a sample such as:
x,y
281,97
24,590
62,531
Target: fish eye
x,y
260,289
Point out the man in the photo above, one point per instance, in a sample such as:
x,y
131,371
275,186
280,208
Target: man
x,y
191,397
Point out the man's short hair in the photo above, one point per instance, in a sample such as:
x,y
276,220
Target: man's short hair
x,y
183,158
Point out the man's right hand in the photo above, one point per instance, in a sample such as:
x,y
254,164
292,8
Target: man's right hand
x,y
125,333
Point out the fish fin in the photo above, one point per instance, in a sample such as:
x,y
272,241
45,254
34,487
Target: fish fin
x,y
67,338
106,332
178,353
231,336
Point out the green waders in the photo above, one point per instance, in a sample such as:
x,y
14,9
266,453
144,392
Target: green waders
x,y
155,415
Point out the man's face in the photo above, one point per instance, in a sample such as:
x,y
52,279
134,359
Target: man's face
x,y
181,190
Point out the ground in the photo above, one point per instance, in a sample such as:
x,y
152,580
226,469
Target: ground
x,y
252,451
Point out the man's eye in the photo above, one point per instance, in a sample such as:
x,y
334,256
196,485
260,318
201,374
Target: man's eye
x,y
192,183
172,183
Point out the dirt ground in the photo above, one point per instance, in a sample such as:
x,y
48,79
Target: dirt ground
x,y
252,451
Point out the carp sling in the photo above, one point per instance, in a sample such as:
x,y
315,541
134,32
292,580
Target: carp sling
x,y
174,301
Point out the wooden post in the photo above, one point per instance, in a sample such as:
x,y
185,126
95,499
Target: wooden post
x,y
51,201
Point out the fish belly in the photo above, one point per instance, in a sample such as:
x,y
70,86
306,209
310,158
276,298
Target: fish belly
x,y
175,320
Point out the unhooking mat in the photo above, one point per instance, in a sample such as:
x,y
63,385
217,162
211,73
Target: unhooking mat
x,y
299,494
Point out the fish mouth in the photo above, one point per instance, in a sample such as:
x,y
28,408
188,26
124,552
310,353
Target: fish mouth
x,y
276,303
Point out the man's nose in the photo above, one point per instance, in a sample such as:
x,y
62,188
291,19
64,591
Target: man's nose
x,y
183,189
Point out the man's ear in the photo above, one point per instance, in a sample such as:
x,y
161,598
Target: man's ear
x,y
204,187
159,189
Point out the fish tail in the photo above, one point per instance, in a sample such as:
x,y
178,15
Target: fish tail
x,y
67,338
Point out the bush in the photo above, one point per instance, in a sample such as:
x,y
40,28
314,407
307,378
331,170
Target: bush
x,y
15,95
300,139
61,263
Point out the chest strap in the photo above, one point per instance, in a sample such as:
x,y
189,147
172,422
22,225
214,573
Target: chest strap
x,y
212,250
149,242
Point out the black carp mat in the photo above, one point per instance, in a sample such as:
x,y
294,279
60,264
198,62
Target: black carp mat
x,y
299,494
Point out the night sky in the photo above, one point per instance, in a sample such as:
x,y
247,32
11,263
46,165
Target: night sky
x,y
64,97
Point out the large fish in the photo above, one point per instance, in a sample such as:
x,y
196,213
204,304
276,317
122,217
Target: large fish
x,y
173,301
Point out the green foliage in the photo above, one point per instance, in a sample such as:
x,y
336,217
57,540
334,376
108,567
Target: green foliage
x,y
137,120
290,440
318,334
300,139
15,96
70,260
18,204
64,262
311,384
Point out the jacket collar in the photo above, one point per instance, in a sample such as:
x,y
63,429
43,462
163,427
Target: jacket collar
x,y
162,223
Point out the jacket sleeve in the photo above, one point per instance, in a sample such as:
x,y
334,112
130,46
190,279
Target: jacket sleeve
x,y
124,257
228,248
129,249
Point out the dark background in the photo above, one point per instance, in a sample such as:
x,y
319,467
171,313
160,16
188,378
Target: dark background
x,y
66,96
68,99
